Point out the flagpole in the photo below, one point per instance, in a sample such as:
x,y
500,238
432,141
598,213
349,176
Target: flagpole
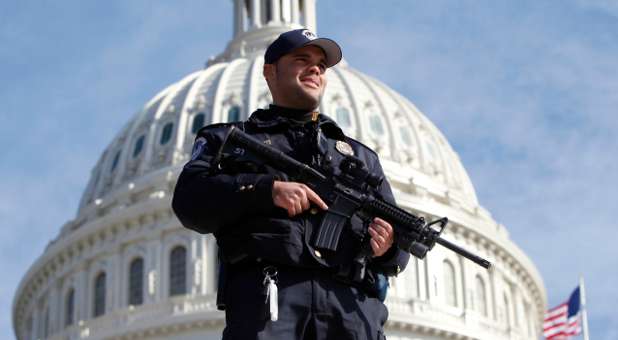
x,y
582,301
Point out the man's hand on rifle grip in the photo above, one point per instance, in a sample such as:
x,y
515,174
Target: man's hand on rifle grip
x,y
382,236
295,197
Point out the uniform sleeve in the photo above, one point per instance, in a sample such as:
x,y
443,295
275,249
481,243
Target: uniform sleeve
x,y
205,199
394,260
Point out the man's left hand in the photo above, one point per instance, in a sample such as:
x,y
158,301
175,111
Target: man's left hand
x,y
382,236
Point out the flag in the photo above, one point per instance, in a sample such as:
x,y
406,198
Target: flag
x,y
562,321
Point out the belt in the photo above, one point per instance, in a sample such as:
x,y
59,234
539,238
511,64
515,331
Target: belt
x,y
342,274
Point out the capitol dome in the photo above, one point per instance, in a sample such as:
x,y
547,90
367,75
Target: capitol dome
x,y
126,268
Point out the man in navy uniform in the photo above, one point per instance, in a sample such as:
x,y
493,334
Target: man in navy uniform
x,y
277,284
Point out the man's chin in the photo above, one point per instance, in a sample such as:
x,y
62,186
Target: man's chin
x,y
309,101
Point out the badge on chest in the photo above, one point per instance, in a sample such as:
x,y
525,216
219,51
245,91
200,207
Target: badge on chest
x,y
344,148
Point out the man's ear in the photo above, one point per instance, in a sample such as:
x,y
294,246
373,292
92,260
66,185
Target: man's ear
x,y
268,71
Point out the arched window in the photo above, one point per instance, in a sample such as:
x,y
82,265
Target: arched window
x,y
481,298
178,271
166,134
450,285
376,124
198,122
99,295
136,282
115,160
507,311
69,307
139,145
343,117
233,114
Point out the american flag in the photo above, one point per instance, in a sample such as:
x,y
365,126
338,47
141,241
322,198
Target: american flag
x,y
562,321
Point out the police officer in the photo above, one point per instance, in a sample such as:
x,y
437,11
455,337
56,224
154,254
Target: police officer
x,y
277,285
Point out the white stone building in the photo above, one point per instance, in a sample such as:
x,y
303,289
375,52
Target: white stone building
x,y
125,268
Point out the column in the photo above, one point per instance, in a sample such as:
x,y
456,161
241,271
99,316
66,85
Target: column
x,y
197,277
117,280
55,308
295,12
36,320
211,265
255,13
194,266
421,280
82,296
152,276
516,300
310,19
286,16
238,17
275,10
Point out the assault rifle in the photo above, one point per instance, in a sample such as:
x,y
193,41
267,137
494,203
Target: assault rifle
x,y
352,192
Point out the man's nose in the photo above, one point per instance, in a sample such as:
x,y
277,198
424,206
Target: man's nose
x,y
315,69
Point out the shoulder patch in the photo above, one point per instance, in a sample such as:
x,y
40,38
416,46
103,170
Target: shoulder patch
x,y
198,147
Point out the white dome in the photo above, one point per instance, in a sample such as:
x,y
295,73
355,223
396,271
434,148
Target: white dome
x,y
365,108
125,214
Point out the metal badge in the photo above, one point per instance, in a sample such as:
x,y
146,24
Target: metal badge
x,y
344,148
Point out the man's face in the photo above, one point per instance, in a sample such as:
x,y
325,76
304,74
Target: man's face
x,y
297,79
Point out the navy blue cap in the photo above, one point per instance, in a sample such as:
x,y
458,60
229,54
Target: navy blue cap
x,y
291,40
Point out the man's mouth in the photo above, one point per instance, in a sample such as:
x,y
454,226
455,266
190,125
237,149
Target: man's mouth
x,y
310,82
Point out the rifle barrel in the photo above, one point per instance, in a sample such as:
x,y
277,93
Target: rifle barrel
x,y
459,250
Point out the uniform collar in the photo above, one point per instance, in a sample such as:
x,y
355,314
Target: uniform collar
x,y
276,116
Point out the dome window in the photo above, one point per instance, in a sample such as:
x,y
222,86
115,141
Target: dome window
x,y
116,160
139,145
343,117
233,114
404,131
136,282
99,295
69,308
481,298
178,271
431,149
166,134
376,124
198,122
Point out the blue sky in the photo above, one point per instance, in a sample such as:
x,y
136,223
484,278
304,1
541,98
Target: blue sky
x,y
525,91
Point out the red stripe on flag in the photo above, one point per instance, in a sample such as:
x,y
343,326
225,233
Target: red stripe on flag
x,y
556,308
